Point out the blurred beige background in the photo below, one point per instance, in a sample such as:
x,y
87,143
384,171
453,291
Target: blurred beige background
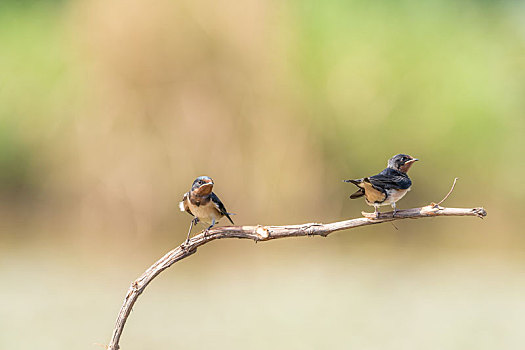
x,y
109,110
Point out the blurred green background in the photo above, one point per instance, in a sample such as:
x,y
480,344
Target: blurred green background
x,y
110,109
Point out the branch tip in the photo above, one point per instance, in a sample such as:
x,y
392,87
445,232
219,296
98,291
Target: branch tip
x,y
480,212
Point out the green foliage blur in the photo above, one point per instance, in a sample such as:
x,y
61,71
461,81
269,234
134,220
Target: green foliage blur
x,y
110,109
113,111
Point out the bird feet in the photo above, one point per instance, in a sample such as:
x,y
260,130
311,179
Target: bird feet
x,y
185,245
207,231
209,228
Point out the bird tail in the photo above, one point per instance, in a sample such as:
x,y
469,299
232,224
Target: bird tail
x,y
229,218
361,191
355,182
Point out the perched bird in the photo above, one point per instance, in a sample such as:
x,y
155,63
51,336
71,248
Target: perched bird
x,y
388,186
203,204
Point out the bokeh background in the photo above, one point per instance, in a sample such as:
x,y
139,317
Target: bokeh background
x,y
110,109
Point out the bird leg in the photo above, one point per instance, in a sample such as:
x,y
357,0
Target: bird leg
x,y
209,227
193,222
395,209
376,211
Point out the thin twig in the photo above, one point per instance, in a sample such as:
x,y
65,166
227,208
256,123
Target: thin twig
x,y
267,233
449,192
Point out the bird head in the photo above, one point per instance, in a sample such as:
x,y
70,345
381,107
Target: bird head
x,y
401,162
202,186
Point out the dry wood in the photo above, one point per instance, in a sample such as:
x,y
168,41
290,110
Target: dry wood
x,y
265,233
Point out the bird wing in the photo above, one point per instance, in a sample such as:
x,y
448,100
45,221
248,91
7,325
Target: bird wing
x,y
374,194
366,188
390,179
220,207
375,187
183,205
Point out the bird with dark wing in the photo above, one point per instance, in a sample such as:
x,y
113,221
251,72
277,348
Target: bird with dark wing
x,y
203,204
387,187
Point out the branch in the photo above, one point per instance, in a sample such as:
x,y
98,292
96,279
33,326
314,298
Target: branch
x,y
266,233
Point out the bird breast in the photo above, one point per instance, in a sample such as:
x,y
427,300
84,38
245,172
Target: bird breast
x,y
394,195
205,212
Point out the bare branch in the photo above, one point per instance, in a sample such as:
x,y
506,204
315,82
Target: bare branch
x,y
266,233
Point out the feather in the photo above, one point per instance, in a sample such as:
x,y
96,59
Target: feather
x,y
390,179
359,193
183,205
220,207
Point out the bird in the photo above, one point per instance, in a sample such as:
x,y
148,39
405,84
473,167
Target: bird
x,y
203,204
387,187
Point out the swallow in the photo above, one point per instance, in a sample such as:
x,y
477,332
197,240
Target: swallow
x,y
203,204
387,187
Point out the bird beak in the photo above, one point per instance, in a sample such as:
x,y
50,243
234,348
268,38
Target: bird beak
x,y
412,161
